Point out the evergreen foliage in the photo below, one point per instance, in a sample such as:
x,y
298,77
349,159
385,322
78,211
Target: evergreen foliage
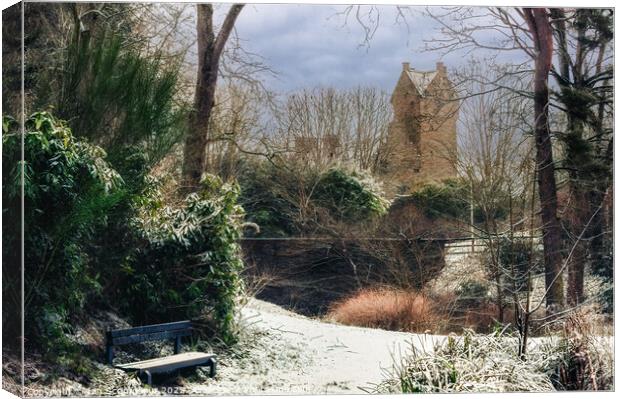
x,y
449,199
116,97
519,259
472,294
189,264
93,239
68,189
283,201
348,196
265,197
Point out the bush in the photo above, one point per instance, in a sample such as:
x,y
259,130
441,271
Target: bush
x,y
94,240
284,201
114,95
348,196
188,266
386,308
445,200
471,294
268,198
518,260
604,269
68,190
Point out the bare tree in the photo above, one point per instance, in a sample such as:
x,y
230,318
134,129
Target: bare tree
x,y
164,29
237,128
530,31
325,126
210,48
495,160
583,102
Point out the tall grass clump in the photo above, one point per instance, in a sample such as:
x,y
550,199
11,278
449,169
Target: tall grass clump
x,y
469,363
582,359
389,309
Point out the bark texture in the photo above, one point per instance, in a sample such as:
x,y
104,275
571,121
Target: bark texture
x,y
539,26
583,139
210,48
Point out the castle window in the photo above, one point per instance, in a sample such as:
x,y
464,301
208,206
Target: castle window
x,y
417,163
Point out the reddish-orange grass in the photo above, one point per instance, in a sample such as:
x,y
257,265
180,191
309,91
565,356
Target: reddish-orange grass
x,y
388,309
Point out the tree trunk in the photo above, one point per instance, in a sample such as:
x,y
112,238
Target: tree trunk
x,y
578,200
210,50
540,29
578,214
580,158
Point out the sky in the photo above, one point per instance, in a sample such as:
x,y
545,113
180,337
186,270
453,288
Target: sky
x,y
315,45
319,45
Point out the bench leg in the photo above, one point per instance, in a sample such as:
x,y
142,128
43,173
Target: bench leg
x,y
177,345
212,367
149,377
109,354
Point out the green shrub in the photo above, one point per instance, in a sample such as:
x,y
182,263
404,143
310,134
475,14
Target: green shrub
x,y
68,190
348,196
605,270
284,201
189,264
115,96
518,259
93,239
117,243
500,212
448,199
267,200
472,294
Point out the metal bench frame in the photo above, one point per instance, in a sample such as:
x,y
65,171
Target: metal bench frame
x,y
156,332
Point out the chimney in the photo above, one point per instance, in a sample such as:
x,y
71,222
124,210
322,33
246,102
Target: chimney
x,y
406,66
441,67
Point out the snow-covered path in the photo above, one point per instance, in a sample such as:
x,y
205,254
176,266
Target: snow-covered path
x,y
299,355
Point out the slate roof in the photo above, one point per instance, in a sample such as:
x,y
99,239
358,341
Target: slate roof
x,y
421,79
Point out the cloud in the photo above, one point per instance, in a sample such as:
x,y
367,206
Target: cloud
x,y
311,45
315,45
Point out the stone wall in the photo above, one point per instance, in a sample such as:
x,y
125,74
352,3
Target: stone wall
x,y
423,133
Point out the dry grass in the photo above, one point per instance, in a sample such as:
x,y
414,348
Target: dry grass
x,y
388,309
454,317
582,359
403,310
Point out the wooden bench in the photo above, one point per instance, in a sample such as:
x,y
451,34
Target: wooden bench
x,y
158,332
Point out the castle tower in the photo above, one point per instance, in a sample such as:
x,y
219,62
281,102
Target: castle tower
x,y
422,136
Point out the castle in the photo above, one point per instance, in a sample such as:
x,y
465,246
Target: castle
x,y
422,135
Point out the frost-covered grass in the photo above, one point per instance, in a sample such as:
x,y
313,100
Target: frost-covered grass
x,y
467,363
491,363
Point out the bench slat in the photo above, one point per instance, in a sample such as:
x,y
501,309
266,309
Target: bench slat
x,y
177,325
156,336
181,360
